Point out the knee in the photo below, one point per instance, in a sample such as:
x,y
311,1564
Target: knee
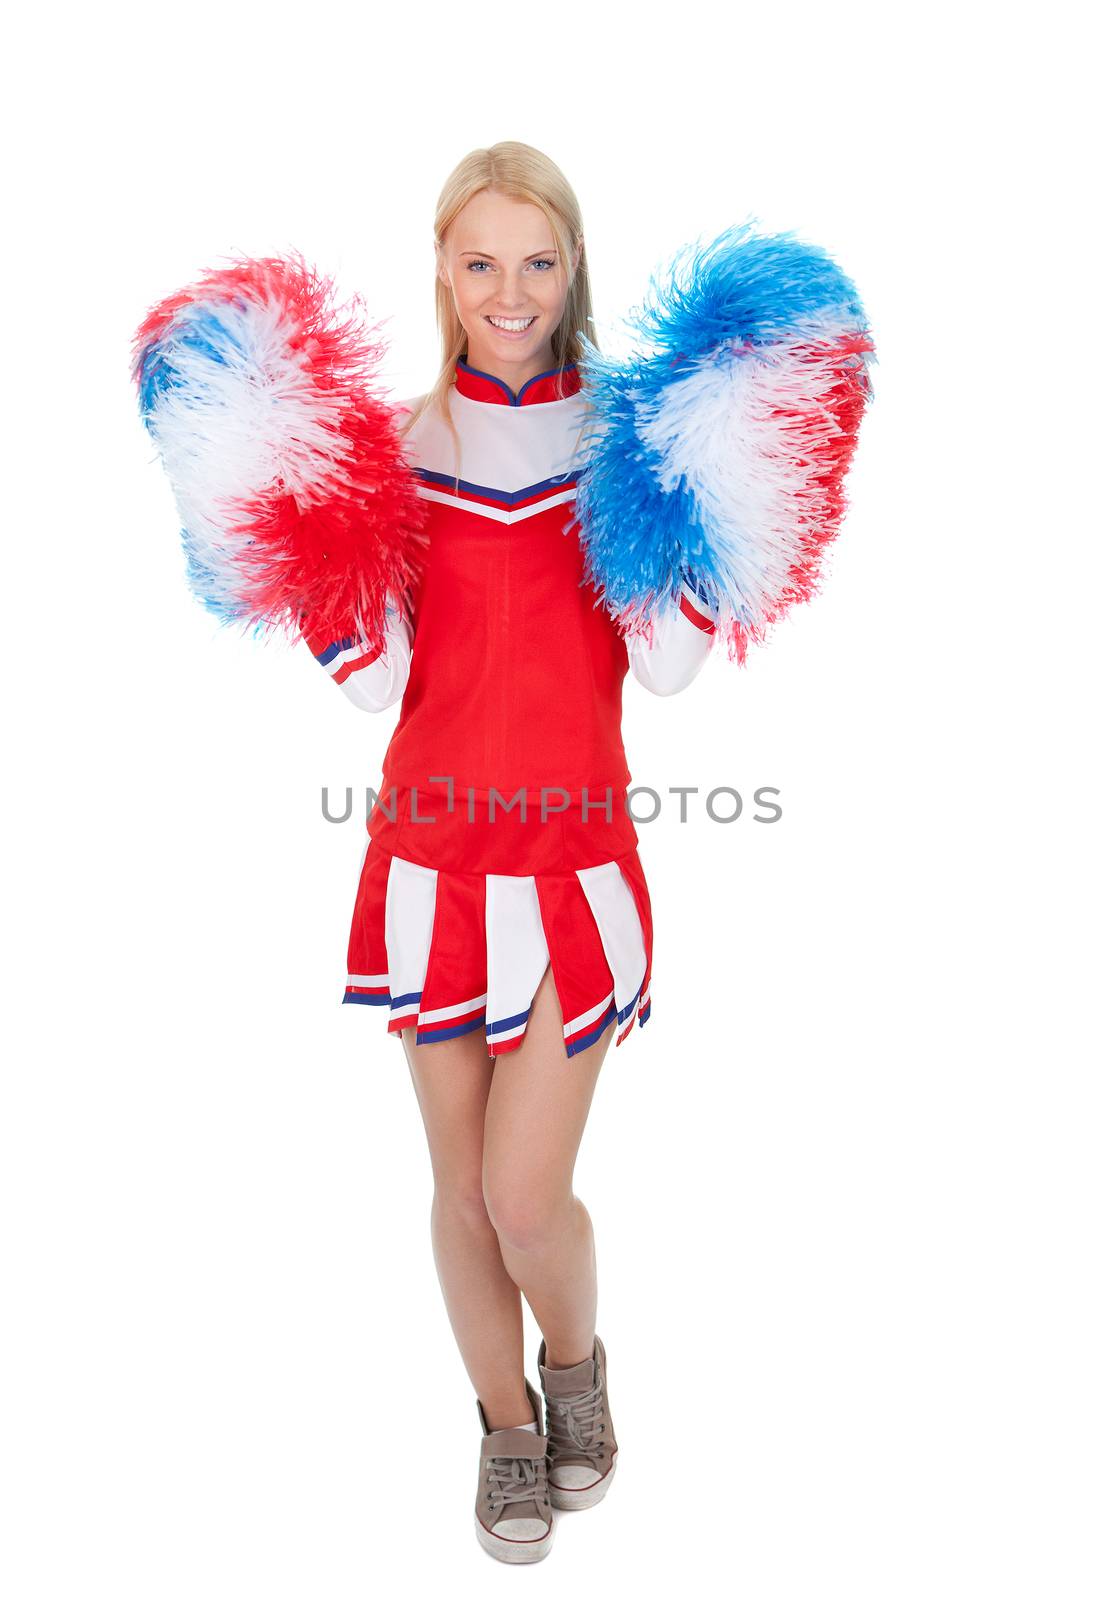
x,y
525,1215
461,1201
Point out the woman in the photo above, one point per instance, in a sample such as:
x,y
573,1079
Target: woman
x,y
522,932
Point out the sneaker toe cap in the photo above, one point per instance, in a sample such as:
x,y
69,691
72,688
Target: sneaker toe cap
x,y
573,1477
520,1529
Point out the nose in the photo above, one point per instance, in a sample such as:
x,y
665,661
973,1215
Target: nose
x,y
510,298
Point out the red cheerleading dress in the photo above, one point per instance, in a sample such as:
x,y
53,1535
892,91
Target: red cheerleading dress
x,y
500,842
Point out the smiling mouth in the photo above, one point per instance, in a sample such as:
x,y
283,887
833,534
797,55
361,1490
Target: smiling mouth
x,y
511,324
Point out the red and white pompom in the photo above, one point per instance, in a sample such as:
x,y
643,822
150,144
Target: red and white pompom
x,y
259,391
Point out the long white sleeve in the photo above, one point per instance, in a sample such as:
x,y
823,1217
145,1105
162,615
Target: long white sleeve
x,y
371,679
681,644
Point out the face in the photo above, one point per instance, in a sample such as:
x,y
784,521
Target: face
x,y
500,261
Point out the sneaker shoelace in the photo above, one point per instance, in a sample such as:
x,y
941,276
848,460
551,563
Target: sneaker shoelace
x,y
575,1423
513,1480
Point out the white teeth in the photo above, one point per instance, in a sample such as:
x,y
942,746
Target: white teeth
x,y
511,325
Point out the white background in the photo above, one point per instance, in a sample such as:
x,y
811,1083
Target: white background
x,y
842,1183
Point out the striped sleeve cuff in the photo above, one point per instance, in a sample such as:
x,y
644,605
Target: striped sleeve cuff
x,y
697,606
345,657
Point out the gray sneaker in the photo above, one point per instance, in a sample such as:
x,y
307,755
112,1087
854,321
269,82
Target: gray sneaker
x,y
581,1441
513,1519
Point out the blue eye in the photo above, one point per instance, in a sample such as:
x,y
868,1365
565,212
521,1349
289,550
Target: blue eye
x,y
540,261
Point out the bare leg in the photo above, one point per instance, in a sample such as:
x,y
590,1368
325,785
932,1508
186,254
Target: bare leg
x,y
452,1080
536,1113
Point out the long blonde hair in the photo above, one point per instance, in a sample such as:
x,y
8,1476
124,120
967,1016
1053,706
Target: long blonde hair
x,y
524,173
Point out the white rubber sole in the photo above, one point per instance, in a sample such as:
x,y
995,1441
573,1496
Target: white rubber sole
x,y
581,1499
515,1552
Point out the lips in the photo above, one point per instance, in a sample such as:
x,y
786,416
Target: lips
x,y
511,333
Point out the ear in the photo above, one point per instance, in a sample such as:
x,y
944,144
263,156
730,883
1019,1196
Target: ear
x,y
439,263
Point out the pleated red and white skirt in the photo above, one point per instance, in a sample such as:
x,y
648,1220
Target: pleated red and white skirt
x,y
450,951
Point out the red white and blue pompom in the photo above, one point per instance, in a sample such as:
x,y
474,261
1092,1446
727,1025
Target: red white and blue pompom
x,y
295,498
715,457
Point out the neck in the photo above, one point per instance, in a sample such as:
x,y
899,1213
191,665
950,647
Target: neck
x,y
557,383
513,373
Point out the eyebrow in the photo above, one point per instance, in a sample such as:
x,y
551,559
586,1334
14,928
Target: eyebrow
x,y
550,251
